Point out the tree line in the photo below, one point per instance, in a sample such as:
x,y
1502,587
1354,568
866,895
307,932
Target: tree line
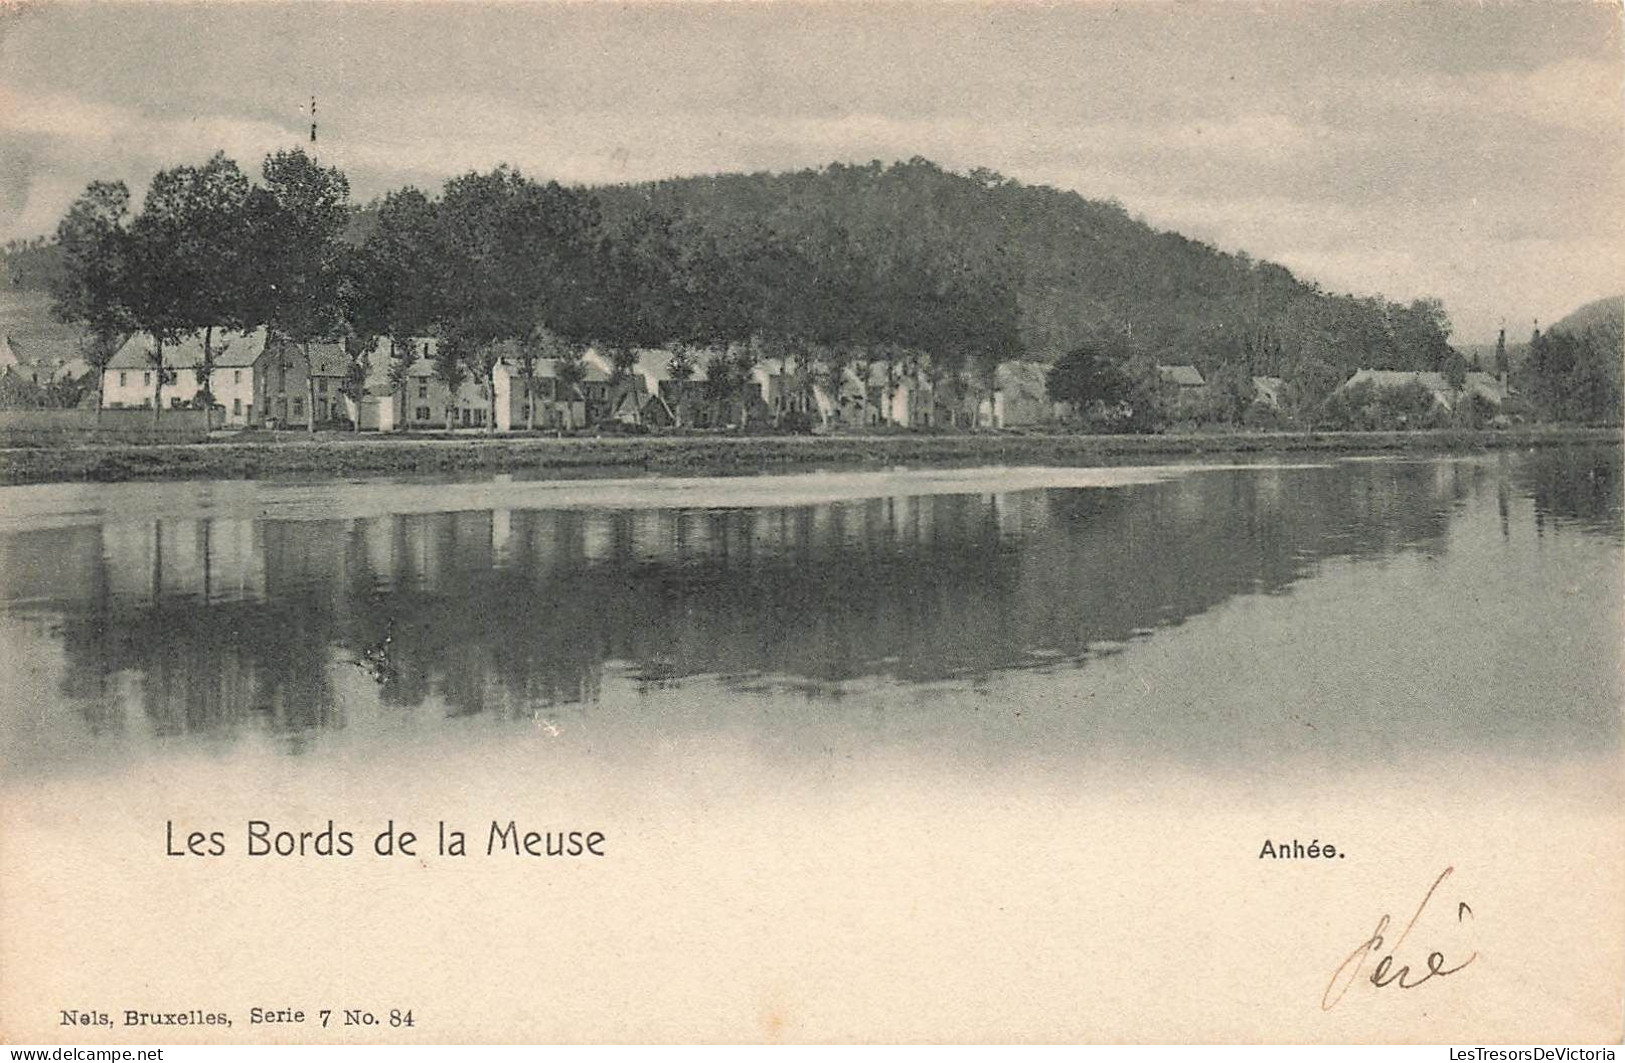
x,y
1568,375
894,269
499,265
1575,375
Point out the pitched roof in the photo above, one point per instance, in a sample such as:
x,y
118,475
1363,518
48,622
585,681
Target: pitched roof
x,y
1398,378
1487,385
378,362
377,382
327,358
548,369
655,364
231,350
1267,389
45,348
59,358
1384,379
423,364
1186,376
1029,380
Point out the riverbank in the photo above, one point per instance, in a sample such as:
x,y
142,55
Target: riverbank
x,y
338,455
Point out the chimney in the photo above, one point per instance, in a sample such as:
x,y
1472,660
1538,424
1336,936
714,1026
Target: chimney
x,y
1501,358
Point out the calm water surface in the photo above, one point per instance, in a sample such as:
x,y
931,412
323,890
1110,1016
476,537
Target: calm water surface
x,y
1460,603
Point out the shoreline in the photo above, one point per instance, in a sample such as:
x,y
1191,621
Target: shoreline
x,y
341,455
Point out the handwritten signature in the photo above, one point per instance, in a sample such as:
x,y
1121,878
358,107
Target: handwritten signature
x,y
1385,973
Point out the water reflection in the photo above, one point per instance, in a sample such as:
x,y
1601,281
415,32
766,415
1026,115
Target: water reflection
x,y
205,626
1579,487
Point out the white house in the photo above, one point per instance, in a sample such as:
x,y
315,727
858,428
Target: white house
x,y
555,406
239,362
1387,379
424,402
1020,396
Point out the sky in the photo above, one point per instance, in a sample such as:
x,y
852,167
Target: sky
x,y
1467,151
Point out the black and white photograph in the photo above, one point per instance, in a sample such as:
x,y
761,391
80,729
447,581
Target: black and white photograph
x,y
867,522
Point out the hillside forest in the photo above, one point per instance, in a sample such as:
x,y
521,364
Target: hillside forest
x,y
822,267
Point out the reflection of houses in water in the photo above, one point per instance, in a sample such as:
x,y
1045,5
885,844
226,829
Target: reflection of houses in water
x,y
1184,497
52,565
379,543
208,558
653,533
134,555
226,623
501,532
1268,483
1582,489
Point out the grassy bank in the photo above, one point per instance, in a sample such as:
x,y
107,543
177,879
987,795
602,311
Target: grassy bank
x,y
345,455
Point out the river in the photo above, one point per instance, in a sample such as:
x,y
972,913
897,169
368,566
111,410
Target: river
x,y
920,754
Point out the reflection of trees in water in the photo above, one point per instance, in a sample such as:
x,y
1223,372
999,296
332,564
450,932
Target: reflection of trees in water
x,y
824,593
1147,556
510,611
1580,486
201,668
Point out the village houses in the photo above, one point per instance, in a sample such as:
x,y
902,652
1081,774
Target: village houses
x,y
239,359
1020,397
1486,386
44,359
423,402
260,381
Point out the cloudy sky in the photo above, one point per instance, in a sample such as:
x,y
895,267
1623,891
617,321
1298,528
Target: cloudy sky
x,y
1469,151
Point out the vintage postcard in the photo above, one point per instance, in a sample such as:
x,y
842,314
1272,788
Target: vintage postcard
x,y
803,522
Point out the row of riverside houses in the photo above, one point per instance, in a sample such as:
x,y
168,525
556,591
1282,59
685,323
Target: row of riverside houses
x,y
259,380
1189,385
256,379
862,394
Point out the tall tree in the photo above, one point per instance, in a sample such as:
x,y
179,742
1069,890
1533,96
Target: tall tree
x,y
297,218
398,287
364,320
513,254
357,366
90,289
402,357
450,361
528,354
159,280
1576,377
571,373
681,366
202,211
636,290
623,363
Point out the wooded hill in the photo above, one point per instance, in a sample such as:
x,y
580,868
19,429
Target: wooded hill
x,y
1074,269
1080,269
1608,312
